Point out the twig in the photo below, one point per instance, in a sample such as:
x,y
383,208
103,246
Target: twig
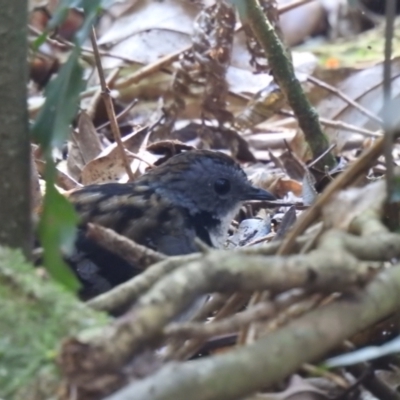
x,y
130,291
345,98
110,108
191,347
91,109
336,379
353,172
136,254
349,127
149,69
164,61
120,115
306,219
225,326
260,239
340,125
329,149
306,339
372,382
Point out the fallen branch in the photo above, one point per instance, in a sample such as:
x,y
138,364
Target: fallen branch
x,y
259,365
217,272
228,325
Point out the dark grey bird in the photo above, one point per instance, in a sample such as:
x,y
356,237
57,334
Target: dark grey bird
x,y
193,194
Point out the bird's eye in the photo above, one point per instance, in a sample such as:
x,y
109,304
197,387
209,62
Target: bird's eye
x,y
222,186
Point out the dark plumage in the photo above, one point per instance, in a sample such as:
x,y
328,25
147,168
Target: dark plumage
x,y
196,193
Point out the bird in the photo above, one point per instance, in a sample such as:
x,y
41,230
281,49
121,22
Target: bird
x,y
194,194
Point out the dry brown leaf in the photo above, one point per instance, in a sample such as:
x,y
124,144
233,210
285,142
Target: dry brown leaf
x,y
149,30
108,168
276,182
366,88
65,181
309,193
75,162
350,203
87,138
300,147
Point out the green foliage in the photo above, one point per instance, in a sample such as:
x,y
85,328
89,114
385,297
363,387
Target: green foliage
x,y
52,125
57,228
35,314
58,221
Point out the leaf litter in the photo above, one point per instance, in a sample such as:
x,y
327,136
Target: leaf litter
x,y
216,92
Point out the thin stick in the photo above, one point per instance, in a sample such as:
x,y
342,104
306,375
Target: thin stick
x,y
150,68
287,7
91,109
343,180
309,216
326,122
228,325
345,98
330,148
110,107
121,114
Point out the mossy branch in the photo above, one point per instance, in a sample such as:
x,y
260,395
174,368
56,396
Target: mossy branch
x,y
283,71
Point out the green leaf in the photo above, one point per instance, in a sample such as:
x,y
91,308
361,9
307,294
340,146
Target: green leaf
x,y
57,230
51,127
39,41
57,226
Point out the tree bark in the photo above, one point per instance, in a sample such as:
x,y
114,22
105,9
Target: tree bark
x,y
15,230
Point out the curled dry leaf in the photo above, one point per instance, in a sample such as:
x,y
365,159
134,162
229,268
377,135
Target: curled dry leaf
x,y
293,167
167,149
63,179
87,138
300,147
277,183
148,30
287,221
108,166
216,138
75,161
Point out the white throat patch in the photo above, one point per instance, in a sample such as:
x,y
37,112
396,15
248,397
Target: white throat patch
x,y
219,234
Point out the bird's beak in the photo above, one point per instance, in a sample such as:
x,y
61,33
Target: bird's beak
x,y
254,193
